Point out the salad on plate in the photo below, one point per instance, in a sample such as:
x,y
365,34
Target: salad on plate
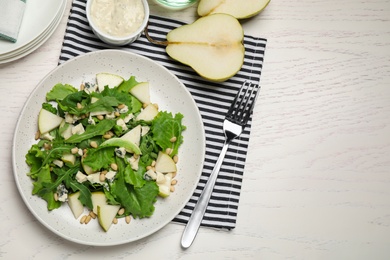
x,y
105,150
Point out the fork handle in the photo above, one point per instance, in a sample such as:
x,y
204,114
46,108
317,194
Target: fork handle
x,y
193,224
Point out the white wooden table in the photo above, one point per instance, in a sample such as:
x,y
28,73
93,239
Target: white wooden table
x,y
317,180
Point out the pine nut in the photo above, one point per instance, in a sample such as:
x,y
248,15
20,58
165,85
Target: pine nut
x,y
114,166
37,135
93,144
87,219
144,105
104,172
172,188
174,182
121,211
115,221
110,133
82,86
176,158
92,214
56,196
127,219
117,114
100,117
74,150
120,106
174,174
148,167
107,136
82,220
155,105
153,163
79,106
46,146
173,139
168,151
102,177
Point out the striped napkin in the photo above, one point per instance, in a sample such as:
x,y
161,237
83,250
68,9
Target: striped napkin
x,y
213,100
11,16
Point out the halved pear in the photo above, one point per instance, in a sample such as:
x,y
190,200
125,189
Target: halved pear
x,y
141,92
75,205
48,121
106,214
108,79
212,46
164,163
236,8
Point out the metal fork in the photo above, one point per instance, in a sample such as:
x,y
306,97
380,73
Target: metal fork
x,y
235,121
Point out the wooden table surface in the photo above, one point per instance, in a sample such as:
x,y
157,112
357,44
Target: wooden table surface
x,y
317,179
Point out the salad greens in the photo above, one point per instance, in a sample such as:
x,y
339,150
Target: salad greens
x,y
63,161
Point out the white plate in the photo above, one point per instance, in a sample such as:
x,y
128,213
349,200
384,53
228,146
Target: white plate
x,y
168,92
38,16
36,43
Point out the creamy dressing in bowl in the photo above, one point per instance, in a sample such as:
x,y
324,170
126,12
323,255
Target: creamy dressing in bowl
x,y
117,17
117,22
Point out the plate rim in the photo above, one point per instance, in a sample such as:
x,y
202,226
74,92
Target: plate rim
x,y
17,126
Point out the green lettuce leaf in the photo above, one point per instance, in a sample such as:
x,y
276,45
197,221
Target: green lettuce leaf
x,y
60,91
138,202
91,131
164,127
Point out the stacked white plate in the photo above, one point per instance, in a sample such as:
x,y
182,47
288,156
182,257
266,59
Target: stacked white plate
x,y
41,18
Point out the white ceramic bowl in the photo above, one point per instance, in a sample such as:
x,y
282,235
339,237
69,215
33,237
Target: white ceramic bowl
x,y
114,40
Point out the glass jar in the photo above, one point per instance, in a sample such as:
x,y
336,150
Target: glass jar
x,y
176,4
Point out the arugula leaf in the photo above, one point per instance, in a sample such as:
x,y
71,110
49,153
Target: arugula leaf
x,y
38,159
60,91
69,103
134,178
164,127
49,107
44,176
130,101
85,193
91,131
102,104
126,85
138,202
99,158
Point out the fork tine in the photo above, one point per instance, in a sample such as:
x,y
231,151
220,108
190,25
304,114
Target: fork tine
x,y
243,104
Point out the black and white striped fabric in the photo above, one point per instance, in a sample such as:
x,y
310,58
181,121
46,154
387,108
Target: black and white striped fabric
x,y
213,100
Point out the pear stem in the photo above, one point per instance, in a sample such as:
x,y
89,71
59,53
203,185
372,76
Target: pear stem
x,y
164,43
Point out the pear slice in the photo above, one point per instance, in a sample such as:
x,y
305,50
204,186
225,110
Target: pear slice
x,y
108,79
106,214
148,114
119,142
165,163
75,205
212,46
134,135
141,92
47,121
236,8
98,199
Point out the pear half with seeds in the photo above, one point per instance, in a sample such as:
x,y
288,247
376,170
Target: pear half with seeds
x,y
237,8
212,46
